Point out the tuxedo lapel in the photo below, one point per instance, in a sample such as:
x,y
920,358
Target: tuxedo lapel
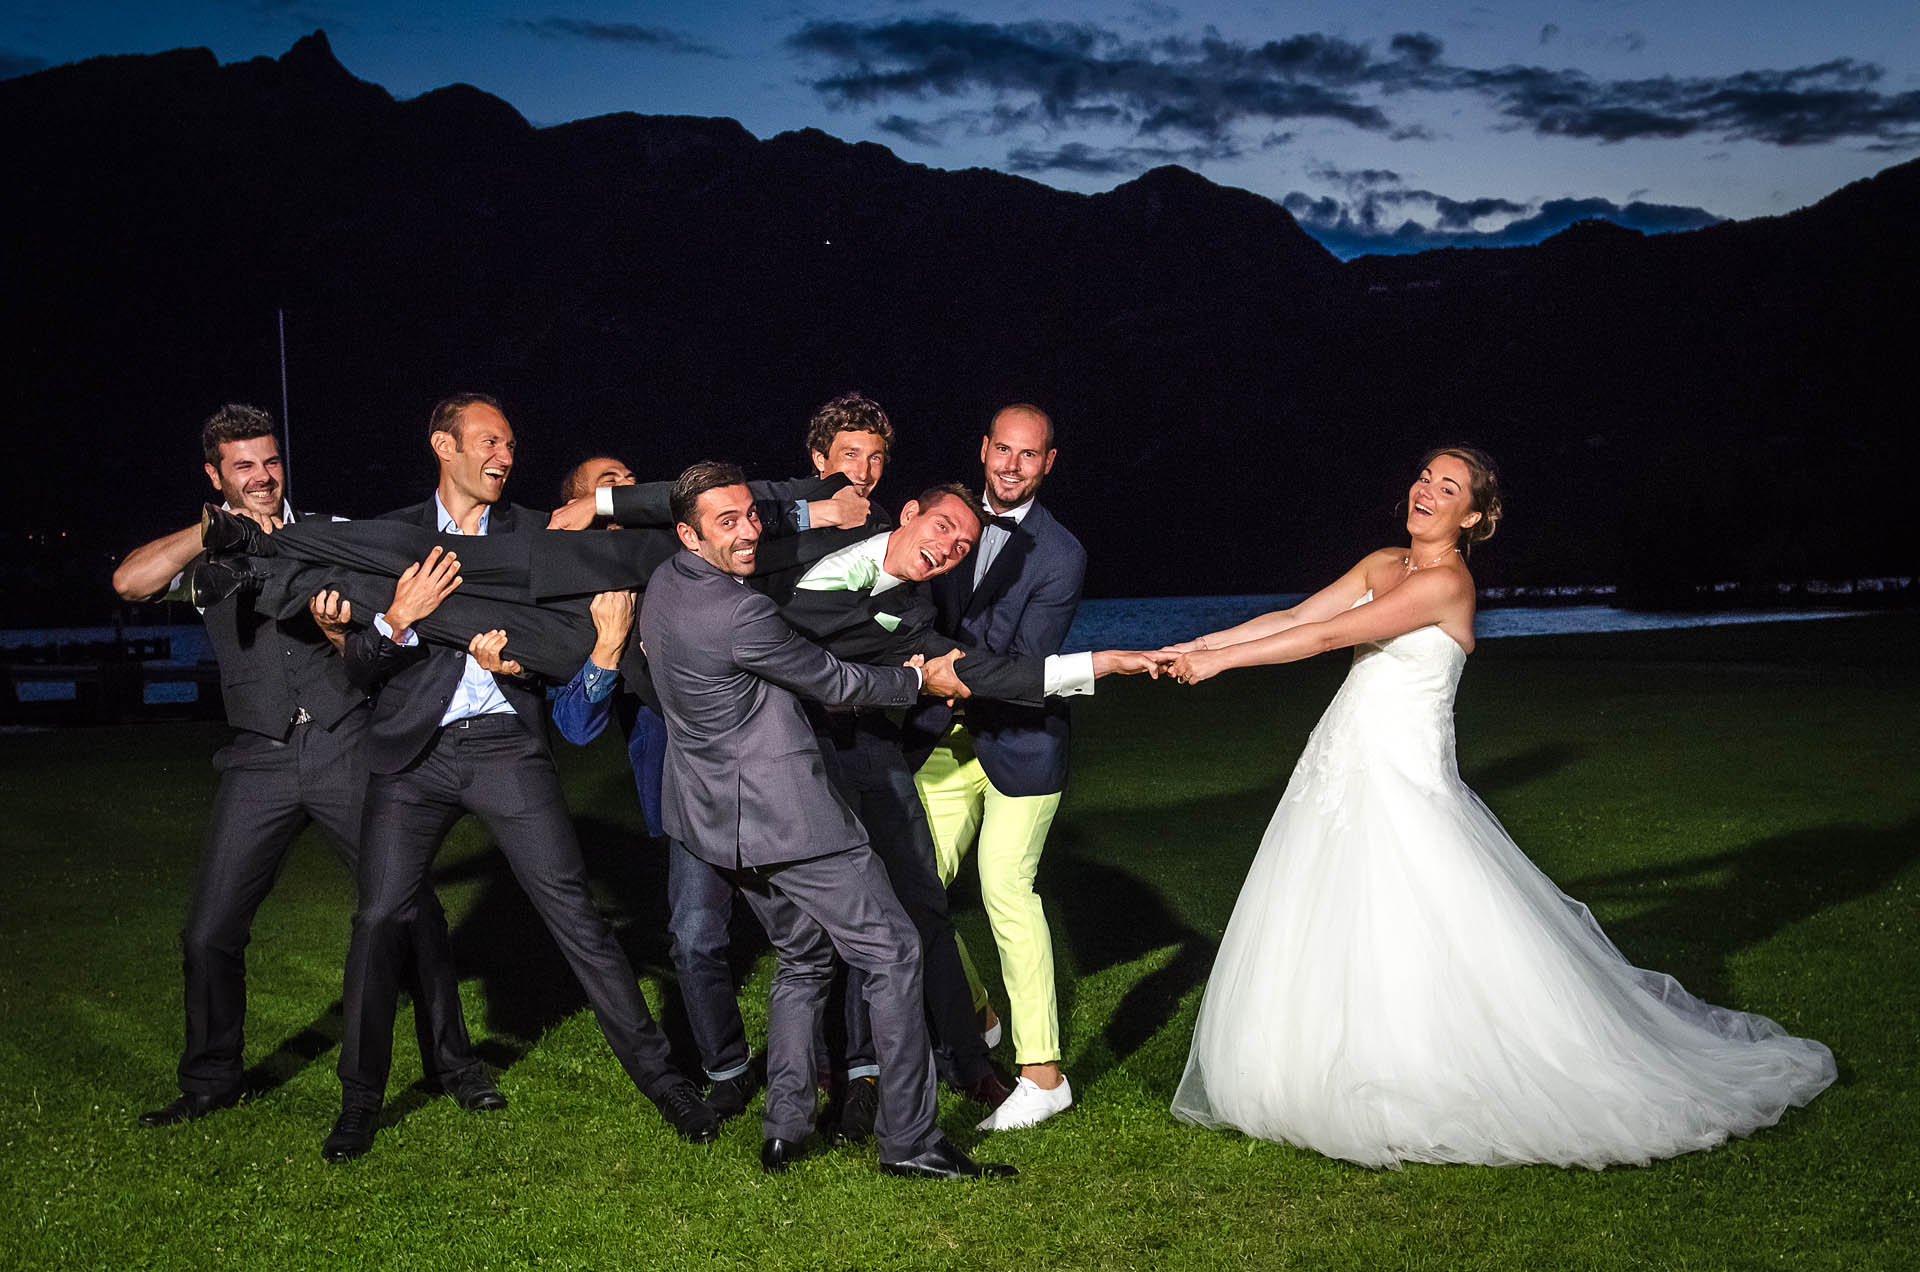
x,y
1004,570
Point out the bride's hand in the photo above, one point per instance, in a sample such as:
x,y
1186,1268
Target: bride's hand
x,y
1196,665
1185,646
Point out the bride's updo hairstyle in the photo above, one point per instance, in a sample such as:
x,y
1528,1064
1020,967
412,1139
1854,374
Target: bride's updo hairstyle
x,y
1483,483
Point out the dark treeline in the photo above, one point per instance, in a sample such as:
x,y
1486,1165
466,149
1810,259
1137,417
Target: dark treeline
x,y
1238,409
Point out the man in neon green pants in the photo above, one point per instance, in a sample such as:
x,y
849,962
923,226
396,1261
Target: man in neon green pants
x,y
997,770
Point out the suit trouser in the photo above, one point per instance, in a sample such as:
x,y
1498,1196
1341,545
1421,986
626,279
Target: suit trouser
x,y
269,792
1012,830
699,915
843,904
520,565
866,766
494,767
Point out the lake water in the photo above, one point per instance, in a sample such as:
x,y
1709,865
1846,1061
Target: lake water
x,y
1120,623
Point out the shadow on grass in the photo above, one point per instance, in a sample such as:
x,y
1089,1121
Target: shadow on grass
x,y
527,984
1714,907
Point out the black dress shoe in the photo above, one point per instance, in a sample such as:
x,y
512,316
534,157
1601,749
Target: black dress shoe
x,y
990,1089
728,1097
850,1118
190,1107
943,1160
211,580
688,1114
352,1134
475,1092
777,1154
223,531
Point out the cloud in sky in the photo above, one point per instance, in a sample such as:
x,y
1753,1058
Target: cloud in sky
x,y
619,34
1384,219
1207,86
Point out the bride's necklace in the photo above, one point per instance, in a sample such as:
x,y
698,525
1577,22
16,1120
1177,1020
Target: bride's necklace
x,y
1407,561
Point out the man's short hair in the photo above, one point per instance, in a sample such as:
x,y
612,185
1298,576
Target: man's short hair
x,y
575,483
1025,408
933,494
446,413
708,474
234,422
848,413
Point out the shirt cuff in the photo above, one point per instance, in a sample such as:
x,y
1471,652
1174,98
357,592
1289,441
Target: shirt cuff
x,y
598,681
603,501
381,625
1069,674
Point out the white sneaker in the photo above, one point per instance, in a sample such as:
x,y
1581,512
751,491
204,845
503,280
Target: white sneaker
x,y
1029,1105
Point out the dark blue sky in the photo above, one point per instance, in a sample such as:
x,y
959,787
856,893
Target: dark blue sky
x,y
1380,125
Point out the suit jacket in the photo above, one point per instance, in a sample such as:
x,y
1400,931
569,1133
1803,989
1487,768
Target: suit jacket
x,y
1022,609
271,667
744,782
413,685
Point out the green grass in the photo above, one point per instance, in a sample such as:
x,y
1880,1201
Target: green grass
x,y
1739,806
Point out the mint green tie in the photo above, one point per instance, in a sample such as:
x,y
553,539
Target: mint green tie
x,y
854,573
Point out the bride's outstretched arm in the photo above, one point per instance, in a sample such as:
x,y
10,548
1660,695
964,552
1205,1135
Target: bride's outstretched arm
x,y
1429,597
1335,598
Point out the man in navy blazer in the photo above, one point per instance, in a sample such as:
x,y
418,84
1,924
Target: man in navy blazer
x,y
997,769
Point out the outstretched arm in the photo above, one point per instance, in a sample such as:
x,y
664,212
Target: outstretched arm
x,y
1329,602
1432,596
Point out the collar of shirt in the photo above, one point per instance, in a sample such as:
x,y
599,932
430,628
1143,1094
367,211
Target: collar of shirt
x,y
873,548
448,525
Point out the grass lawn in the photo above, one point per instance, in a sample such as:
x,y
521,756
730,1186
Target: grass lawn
x,y
1740,806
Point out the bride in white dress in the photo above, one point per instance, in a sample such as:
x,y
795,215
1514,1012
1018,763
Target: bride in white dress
x,y
1398,981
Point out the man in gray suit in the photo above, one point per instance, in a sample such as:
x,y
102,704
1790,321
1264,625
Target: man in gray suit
x,y
746,791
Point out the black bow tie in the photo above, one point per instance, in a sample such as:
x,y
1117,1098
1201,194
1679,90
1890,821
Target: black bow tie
x,y
1008,524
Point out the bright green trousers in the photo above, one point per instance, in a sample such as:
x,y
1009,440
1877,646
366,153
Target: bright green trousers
x,y
1011,829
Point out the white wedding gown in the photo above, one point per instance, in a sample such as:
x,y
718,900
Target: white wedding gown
x,y
1399,983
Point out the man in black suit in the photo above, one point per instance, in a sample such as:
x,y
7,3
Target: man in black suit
x,y
464,731
296,757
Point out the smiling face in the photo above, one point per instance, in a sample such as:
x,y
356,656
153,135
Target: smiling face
x,y
931,540
1016,453
1440,501
476,455
727,535
861,455
249,475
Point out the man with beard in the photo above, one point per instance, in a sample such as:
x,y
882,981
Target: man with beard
x,y
297,756
997,769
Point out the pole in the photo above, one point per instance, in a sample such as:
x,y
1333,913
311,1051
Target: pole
x,y
286,423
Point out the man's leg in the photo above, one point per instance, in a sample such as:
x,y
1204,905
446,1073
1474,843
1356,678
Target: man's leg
x,y
952,789
805,961
882,792
508,779
699,912
848,894
333,787
407,815
256,814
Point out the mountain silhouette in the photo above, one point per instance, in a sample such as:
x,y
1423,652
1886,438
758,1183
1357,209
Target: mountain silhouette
x,y
1238,410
